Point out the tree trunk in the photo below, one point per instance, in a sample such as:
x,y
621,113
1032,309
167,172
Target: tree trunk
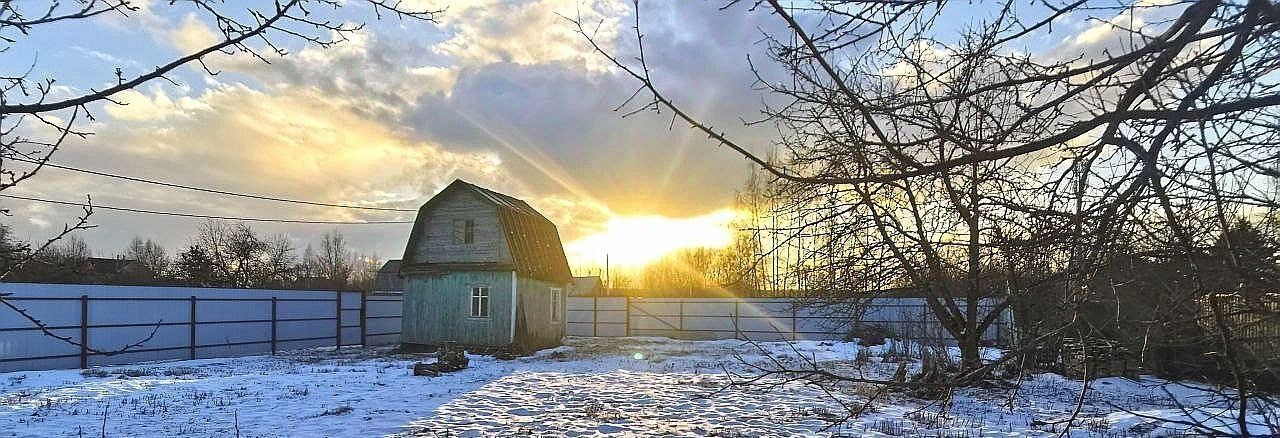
x,y
970,358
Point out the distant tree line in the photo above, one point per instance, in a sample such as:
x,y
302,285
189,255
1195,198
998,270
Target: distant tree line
x,y
221,254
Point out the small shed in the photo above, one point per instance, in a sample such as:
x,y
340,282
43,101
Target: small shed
x,y
483,269
588,286
388,277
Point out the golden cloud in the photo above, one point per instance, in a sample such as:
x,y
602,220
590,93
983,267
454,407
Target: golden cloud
x,y
192,34
137,106
291,142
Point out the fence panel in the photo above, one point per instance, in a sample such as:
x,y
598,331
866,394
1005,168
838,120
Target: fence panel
x,y
188,323
184,323
589,316
763,319
382,317
580,316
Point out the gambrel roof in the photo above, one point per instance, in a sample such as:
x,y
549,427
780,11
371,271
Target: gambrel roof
x,y
533,241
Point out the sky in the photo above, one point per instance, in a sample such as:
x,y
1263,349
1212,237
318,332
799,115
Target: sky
x,y
499,93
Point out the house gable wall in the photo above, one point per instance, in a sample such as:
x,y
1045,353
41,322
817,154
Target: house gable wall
x,y
435,243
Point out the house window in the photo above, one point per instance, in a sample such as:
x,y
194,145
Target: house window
x,y
480,302
557,298
464,231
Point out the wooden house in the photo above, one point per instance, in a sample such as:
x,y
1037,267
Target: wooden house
x,y
483,269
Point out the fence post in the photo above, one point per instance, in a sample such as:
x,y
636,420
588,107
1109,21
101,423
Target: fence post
x,y
84,331
364,317
275,303
595,316
628,316
793,322
737,330
337,318
681,323
191,351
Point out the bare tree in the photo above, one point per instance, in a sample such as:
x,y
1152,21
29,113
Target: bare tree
x,y
364,272
232,255
918,131
335,262
921,144
150,254
70,251
66,260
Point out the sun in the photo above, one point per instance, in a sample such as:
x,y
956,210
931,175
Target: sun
x,y
636,241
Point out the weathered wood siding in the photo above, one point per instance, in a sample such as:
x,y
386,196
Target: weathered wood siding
x,y
535,303
436,244
437,309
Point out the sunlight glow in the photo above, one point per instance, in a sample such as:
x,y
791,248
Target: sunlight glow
x,y
635,241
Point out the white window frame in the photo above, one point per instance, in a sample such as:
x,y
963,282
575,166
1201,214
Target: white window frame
x,y
557,302
481,293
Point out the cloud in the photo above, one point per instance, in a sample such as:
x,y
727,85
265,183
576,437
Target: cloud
x,y
506,97
291,143
928,60
296,142
192,34
574,216
1103,30
105,57
37,214
381,72
550,118
528,32
1107,31
379,77
435,79
560,132
136,106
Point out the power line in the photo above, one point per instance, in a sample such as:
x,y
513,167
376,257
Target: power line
x,y
201,216
207,190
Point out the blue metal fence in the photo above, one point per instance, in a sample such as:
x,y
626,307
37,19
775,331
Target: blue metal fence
x,y
183,323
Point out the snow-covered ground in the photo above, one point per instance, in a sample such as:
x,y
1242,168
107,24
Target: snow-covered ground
x,y
591,386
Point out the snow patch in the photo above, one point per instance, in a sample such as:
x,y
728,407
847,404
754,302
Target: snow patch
x,y
590,386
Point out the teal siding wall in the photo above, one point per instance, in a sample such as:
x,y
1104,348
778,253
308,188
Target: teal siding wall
x,y
535,306
437,309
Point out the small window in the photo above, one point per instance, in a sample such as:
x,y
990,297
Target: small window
x,y
464,231
480,302
557,298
